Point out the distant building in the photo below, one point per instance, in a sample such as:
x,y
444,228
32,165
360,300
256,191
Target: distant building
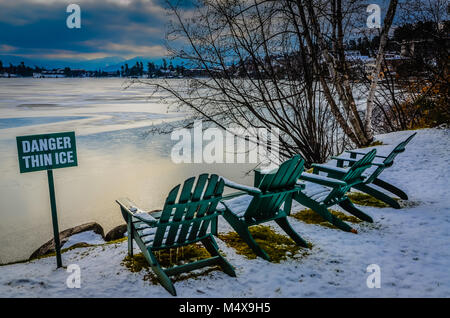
x,y
58,73
356,56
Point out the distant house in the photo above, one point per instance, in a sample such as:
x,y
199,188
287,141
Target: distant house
x,y
58,73
390,56
78,73
356,56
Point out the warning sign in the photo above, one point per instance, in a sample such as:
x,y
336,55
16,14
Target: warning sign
x,y
46,152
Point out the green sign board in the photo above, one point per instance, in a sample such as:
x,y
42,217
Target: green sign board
x,y
47,151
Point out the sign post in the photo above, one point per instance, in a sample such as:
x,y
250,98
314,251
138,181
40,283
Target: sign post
x,y
48,152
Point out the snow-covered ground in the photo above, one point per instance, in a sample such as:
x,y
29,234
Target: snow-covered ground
x,y
410,245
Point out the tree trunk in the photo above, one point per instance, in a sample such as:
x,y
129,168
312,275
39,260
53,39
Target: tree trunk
x,y
376,73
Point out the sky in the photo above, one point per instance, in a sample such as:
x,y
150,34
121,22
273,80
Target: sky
x,y
36,29
111,30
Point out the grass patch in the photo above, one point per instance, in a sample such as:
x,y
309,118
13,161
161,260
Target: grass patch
x,y
278,247
310,217
360,198
169,258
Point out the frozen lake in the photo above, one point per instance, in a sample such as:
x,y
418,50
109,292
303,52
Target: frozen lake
x,y
116,156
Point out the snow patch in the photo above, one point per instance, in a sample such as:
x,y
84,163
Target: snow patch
x,y
89,237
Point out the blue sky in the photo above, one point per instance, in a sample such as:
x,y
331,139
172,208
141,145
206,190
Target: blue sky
x,y
36,29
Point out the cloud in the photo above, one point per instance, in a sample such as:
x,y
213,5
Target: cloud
x,y
67,55
7,48
126,28
128,50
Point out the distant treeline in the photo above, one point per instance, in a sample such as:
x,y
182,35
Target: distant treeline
x,y
137,70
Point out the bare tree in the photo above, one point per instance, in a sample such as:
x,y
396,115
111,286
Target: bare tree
x,y
274,64
330,22
376,72
417,85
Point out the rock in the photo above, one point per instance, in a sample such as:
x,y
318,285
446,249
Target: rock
x,y
119,231
49,247
116,233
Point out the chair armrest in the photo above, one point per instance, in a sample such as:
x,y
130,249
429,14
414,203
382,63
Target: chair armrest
x,y
132,210
300,185
329,182
363,154
266,170
145,217
237,186
380,164
232,195
329,169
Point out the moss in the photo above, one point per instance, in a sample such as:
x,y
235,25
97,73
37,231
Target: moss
x,y
360,198
310,217
77,245
169,258
123,239
277,246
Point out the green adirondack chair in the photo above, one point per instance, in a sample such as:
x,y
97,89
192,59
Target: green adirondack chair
x,y
321,192
190,219
373,178
263,204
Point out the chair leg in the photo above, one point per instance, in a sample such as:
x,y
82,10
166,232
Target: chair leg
x,y
378,194
211,246
348,206
244,233
130,246
130,239
242,230
214,225
284,224
323,212
391,188
163,279
288,204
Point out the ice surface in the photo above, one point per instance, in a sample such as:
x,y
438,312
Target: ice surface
x,y
117,156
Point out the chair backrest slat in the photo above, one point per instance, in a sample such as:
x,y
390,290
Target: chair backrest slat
x,y
217,195
181,220
353,175
185,196
165,215
193,208
274,187
389,160
277,180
